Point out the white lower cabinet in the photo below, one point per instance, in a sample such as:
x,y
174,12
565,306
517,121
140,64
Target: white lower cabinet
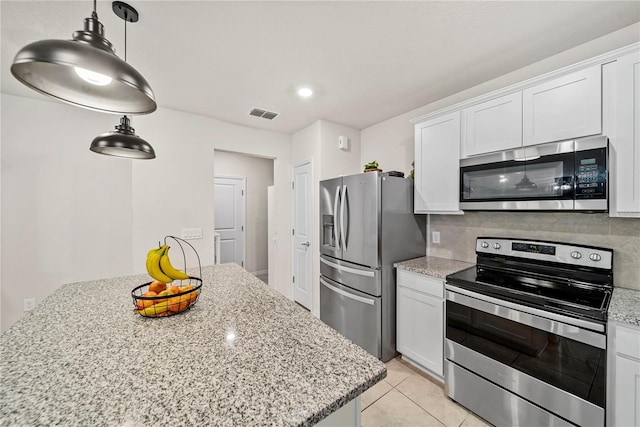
x,y
420,321
623,389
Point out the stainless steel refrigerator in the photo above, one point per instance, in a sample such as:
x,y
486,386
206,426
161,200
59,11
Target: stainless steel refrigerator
x,y
366,224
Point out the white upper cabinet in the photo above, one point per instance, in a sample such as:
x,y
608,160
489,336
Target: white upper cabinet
x,y
567,107
492,125
437,158
625,145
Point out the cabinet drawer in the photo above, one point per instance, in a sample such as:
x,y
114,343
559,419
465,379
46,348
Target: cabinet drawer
x,y
628,341
421,283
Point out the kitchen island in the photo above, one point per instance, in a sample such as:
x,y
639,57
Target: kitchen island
x,y
242,355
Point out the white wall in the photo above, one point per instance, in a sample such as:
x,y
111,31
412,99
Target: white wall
x,y
70,215
66,212
392,139
335,161
259,174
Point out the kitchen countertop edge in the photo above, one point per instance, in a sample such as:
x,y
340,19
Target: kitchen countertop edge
x,y
625,306
433,266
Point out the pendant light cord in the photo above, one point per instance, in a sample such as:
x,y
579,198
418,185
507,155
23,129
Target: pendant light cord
x,y
125,118
125,39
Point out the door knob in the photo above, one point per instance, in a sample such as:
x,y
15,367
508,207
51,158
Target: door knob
x,y
305,243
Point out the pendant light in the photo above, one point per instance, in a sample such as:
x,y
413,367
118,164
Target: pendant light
x,y
84,72
123,142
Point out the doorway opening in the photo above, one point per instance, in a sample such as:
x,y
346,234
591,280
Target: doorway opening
x,y
231,169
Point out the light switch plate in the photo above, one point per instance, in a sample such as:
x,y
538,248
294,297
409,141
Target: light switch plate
x,y
29,304
435,236
192,233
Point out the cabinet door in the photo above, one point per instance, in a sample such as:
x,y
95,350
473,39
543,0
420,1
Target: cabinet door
x,y
493,125
564,108
626,376
419,334
627,403
437,160
625,147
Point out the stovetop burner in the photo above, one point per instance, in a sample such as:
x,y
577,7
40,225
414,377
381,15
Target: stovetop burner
x,y
546,275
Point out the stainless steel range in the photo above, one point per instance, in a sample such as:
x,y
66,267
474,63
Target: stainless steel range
x,y
526,332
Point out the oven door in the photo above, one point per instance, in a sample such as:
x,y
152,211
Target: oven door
x,y
530,362
531,178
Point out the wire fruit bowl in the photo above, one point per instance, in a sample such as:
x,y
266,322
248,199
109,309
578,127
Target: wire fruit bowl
x,y
173,299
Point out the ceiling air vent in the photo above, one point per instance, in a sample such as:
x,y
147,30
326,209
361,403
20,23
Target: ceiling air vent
x,y
258,112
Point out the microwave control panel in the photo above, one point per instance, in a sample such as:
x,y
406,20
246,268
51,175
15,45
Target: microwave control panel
x,y
591,174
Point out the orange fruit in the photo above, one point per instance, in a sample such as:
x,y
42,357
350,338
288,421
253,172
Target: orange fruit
x,y
174,289
144,303
179,303
192,297
164,293
157,286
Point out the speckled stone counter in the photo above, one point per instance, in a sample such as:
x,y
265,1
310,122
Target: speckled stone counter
x,y
625,306
433,266
84,357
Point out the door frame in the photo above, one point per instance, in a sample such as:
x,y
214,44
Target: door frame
x,y
244,214
312,245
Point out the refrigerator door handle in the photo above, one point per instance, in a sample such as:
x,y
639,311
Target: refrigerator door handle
x,y
348,269
335,217
347,294
343,234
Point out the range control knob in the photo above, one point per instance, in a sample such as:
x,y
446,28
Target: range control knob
x,y
595,257
576,255
484,245
496,246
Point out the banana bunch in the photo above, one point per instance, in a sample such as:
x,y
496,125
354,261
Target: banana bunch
x,y
159,266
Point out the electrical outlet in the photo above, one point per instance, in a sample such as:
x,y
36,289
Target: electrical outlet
x,y
435,236
29,304
191,233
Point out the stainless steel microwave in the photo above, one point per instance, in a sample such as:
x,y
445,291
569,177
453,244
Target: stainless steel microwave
x,y
566,175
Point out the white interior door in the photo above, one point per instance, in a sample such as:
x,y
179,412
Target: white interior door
x,y
271,235
302,235
229,217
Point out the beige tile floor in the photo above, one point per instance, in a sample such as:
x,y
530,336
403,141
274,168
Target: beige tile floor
x,y
406,397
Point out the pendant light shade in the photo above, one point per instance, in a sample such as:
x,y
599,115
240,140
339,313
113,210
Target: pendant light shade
x,y
123,142
84,72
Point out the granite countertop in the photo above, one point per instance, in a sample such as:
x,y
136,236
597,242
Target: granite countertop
x,y
625,306
433,266
84,357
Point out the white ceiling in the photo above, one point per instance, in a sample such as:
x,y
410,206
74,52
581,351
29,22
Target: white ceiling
x,y
366,60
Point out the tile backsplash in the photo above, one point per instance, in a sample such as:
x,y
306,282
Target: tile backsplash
x,y
458,234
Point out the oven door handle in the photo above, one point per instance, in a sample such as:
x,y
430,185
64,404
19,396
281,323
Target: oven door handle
x,y
520,314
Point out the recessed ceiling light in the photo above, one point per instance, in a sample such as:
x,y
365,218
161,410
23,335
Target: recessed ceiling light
x,y
305,92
